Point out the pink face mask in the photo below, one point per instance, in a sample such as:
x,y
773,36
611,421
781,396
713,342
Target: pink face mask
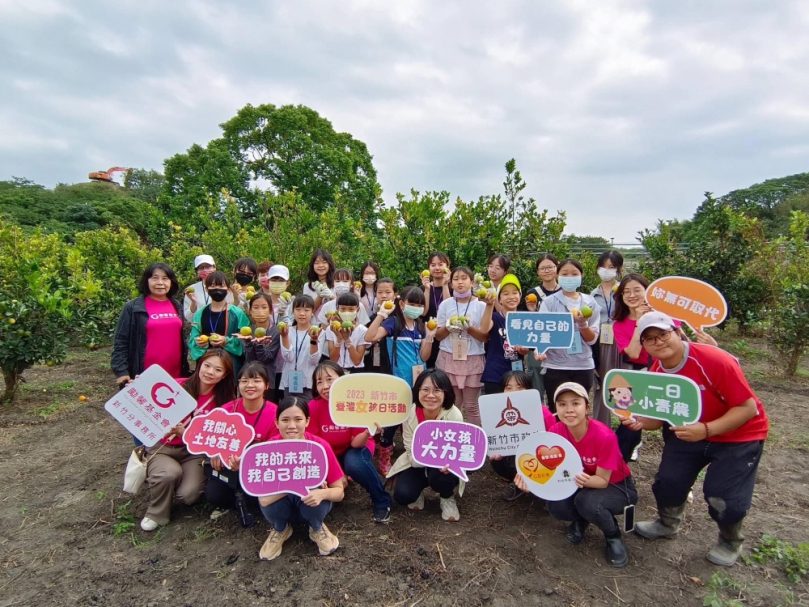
x,y
203,274
265,283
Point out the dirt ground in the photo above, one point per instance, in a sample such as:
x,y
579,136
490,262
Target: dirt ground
x,y
70,536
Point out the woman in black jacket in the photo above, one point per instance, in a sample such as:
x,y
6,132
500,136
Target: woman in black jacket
x,y
150,329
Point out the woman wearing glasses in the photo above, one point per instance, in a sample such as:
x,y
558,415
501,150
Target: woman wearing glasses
x,y
434,399
728,439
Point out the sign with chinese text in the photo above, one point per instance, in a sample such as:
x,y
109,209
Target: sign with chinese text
x,y
151,405
549,464
509,417
439,443
283,466
672,398
692,301
219,433
360,400
541,331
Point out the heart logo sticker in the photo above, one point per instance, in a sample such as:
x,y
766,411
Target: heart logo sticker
x,y
531,468
528,464
552,457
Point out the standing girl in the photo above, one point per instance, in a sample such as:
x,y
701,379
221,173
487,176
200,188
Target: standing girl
x,y
436,287
434,398
224,491
409,344
343,285
320,278
173,474
546,269
461,351
605,487
367,293
497,267
215,324
354,447
377,359
500,356
346,346
263,345
300,349
610,264
280,510
575,364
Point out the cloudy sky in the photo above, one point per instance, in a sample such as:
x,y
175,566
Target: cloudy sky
x,y
618,112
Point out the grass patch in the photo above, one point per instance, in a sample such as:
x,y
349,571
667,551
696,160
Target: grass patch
x,y
742,348
721,589
125,520
792,560
46,411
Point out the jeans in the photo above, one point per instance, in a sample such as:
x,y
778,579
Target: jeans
x,y
505,468
291,509
556,377
597,506
357,464
729,480
412,481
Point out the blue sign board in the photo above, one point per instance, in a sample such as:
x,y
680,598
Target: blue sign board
x,y
540,331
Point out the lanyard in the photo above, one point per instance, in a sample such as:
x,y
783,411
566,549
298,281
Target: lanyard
x,y
413,336
213,324
371,302
436,301
608,301
297,349
458,310
258,417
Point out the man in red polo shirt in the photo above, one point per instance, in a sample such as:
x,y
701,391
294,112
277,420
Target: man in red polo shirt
x,y
728,439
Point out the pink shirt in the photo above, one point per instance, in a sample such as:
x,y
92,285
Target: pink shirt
x,y
205,403
335,471
623,330
263,420
164,337
597,449
550,418
322,425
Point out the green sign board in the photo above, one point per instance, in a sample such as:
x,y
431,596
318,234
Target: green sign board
x,y
672,398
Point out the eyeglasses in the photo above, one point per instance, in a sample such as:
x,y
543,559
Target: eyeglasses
x,y
429,391
547,269
662,337
251,382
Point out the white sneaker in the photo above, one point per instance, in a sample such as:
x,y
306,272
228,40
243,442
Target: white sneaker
x,y
418,504
148,524
217,514
449,510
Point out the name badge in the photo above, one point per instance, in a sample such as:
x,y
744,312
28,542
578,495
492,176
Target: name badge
x,y
296,382
417,370
575,348
459,349
377,356
516,365
607,336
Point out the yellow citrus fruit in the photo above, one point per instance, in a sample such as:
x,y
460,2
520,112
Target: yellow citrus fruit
x,y
425,273
246,331
261,331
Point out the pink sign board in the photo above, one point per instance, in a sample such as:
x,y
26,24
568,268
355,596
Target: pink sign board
x,y
439,443
218,433
283,466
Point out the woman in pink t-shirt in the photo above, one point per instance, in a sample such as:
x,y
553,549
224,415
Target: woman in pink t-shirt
x,y
605,487
281,510
354,447
224,490
174,474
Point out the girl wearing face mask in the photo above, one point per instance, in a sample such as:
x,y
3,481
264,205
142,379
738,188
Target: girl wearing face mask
x,y
214,325
367,292
320,278
195,295
354,447
264,276
575,364
266,348
347,344
244,273
605,354
343,283
461,351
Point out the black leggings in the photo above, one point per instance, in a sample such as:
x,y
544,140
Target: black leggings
x,y
412,481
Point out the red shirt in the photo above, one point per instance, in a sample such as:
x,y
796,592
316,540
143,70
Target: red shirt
x,y
164,337
322,425
205,403
623,330
723,385
598,448
263,420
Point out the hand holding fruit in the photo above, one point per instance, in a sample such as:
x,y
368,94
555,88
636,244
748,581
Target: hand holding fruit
x,y
245,334
425,279
283,328
236,288
217,341
357,288
202,341
490,297
386,309
314,332
431,326
531,302
323,291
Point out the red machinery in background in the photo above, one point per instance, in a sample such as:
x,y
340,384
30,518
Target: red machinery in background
x,y
108,175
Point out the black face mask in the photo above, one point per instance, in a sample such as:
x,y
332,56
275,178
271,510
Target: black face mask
x,y
244,279
218,294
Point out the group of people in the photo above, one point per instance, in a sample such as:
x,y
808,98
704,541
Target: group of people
x,y
449,343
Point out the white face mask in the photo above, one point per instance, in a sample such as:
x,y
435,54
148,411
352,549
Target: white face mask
x,y
369,280
607,274
349,316
341,288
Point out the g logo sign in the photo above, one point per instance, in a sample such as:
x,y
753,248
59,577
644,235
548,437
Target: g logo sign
x,y
163,404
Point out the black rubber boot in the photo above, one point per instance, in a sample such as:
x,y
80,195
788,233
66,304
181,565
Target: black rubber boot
x,y
728,547
616,552
575,531
667,524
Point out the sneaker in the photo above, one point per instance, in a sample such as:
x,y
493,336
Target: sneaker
x,y
217,514
449,510
326,541
275,542
382,516
148,524
418,504
510,493
383,459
